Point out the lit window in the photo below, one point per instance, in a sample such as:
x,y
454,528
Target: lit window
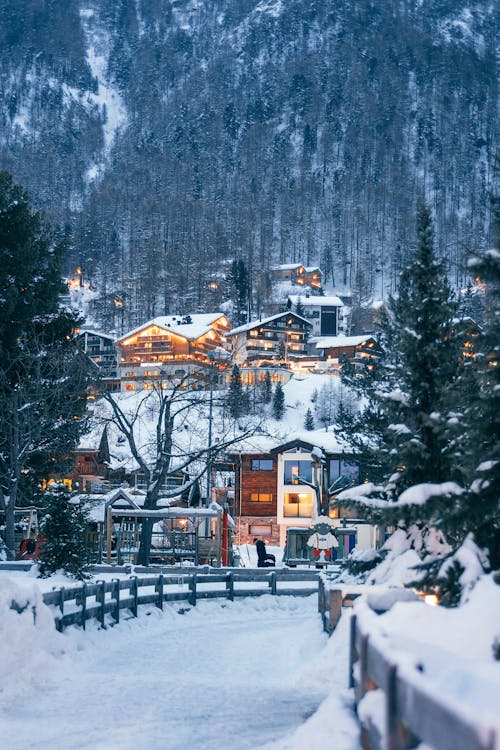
x,y
298,505
261,497
296,469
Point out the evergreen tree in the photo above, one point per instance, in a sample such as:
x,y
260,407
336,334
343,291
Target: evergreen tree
x,y
236,396
278,402
239,288
402,434
43,377
266,389
299,307
479,509
309,421
63,528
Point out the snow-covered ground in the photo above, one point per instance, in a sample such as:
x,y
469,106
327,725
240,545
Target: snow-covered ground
x,y
244,674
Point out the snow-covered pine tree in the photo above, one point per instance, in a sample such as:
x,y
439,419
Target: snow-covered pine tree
x,y
309,421
402,433
299,307
278,402
64,527
235,395
480,507
266,389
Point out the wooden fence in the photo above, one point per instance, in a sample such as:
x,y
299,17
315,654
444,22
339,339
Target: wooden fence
x,y
412,712
77,605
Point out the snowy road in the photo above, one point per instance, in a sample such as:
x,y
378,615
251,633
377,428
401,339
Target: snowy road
x,y
235,675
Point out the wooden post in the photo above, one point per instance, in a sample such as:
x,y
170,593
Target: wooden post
x,y
159,589
192,588
133,591
396,733
365,682
321,596
272,582
117,599
60,623
334,609
83,603
102,598
230,586
109,534
352,650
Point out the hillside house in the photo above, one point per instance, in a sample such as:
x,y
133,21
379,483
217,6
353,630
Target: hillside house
x,y
100,348
277,340
171,346
328,351
269,499
297,274
324,313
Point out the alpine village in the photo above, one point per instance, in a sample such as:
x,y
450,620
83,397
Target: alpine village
x,y
249,375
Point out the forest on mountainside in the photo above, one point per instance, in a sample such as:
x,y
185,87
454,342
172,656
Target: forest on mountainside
x,y
166,138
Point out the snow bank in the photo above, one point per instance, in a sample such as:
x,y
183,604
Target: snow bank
x,y
29,642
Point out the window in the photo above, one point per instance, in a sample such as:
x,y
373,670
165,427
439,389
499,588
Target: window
x,y
257,529
339,467
315,314
261,497
295,469
298,505
130,387
262,464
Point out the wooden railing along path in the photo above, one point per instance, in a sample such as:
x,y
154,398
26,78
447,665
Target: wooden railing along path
x,y
77,605
413,712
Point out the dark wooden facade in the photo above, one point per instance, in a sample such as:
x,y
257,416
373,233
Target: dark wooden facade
x,y
256,497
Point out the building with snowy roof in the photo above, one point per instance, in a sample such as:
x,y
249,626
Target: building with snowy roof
x,y
276,340
324,313
173,347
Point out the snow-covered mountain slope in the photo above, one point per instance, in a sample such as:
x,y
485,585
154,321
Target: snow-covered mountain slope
x,y
175,134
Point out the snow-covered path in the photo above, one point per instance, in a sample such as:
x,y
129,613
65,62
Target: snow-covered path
x,y
235,675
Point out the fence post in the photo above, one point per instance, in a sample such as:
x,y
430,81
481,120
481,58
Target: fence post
x,y
352,650
102,598
159,589
335,609
192,588
396,734
272,582
60,623
83,621
117,599
363,674
230,585
321,596
133,591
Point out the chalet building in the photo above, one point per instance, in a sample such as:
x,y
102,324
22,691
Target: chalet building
x,y
327,352
313,277
100,347
269,499
173,347
278,340
325,313
297,274
90,468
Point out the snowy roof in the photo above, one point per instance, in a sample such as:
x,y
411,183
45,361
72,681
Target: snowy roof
x,y
286,267
264,321
200,324
332,342
101,335
311,269
316,301
327,441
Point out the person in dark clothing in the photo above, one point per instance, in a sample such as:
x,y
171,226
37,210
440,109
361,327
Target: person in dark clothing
x,y
265,559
